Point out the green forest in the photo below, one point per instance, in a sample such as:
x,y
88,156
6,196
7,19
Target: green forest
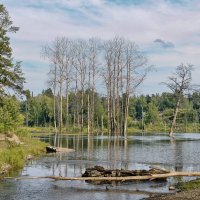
x,y
146,113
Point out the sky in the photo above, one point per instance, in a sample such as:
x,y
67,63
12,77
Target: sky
x,y
166,31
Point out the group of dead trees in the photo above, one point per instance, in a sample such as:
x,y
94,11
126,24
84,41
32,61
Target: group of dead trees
x,y
124,69
114,67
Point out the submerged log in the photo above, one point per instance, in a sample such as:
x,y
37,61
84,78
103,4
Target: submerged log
x,y
99,171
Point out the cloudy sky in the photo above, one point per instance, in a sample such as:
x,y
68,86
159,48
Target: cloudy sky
x,y
167,31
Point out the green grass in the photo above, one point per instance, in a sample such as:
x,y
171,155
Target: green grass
x,y
15,155
194,184
149,128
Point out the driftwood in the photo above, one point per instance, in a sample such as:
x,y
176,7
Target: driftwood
x,y
99,171
101,175
128,178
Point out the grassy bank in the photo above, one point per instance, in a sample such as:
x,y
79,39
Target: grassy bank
x,y
150,128
190,185
14,156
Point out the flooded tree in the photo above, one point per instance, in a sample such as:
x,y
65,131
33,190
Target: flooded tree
x,y
59,54
125,70
77,63
81,64
179,83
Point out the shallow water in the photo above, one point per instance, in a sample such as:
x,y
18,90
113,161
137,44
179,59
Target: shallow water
x,y
138,152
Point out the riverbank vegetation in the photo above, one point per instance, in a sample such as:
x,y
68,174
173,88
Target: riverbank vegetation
x,y
190,185
146,113
16,146
13,156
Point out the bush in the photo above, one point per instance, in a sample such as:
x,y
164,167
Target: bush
x,y
10,117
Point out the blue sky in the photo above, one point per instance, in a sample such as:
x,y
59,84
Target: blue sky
x,y
167,31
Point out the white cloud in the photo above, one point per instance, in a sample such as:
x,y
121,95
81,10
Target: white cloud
x,y
41,21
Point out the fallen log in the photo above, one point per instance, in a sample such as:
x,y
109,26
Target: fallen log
x,y
51,149
128,178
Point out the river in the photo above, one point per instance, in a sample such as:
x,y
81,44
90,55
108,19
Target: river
x,y
139,151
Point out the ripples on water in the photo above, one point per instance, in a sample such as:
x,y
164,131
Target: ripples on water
x,y
137,152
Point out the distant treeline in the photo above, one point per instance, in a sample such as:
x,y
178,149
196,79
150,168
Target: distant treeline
x,y
146,110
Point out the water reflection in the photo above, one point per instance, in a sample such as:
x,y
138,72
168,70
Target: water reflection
x,y
177,155
137,152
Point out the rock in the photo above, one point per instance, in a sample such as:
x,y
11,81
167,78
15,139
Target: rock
x,y
5,168
172,187
13,138
52,149
2,137
29,157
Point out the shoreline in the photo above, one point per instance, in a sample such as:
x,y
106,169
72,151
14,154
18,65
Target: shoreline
x,y
13,156
193,194
184,190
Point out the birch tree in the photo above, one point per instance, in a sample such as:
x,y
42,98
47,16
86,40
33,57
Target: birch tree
x,y
81,63
125,69
136,70
93,53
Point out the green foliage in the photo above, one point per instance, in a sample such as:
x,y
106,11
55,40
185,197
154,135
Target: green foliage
x,y
189,185
48,92
11,75
39,110
15,155
152,114
10,116
156,111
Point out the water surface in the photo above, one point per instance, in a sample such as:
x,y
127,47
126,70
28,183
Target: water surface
x,y
137,152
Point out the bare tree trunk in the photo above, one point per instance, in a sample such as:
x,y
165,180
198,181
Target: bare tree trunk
x,y
54,104
174,118
61,119
102,126
88,105
127,101
77,107
92,106
82,104
67,106
118,96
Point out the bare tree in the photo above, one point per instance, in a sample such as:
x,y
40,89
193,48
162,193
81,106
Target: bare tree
x,y
76,64
179,83
68,69
56,52
125,70
136,70
93,52
51,54
81,63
